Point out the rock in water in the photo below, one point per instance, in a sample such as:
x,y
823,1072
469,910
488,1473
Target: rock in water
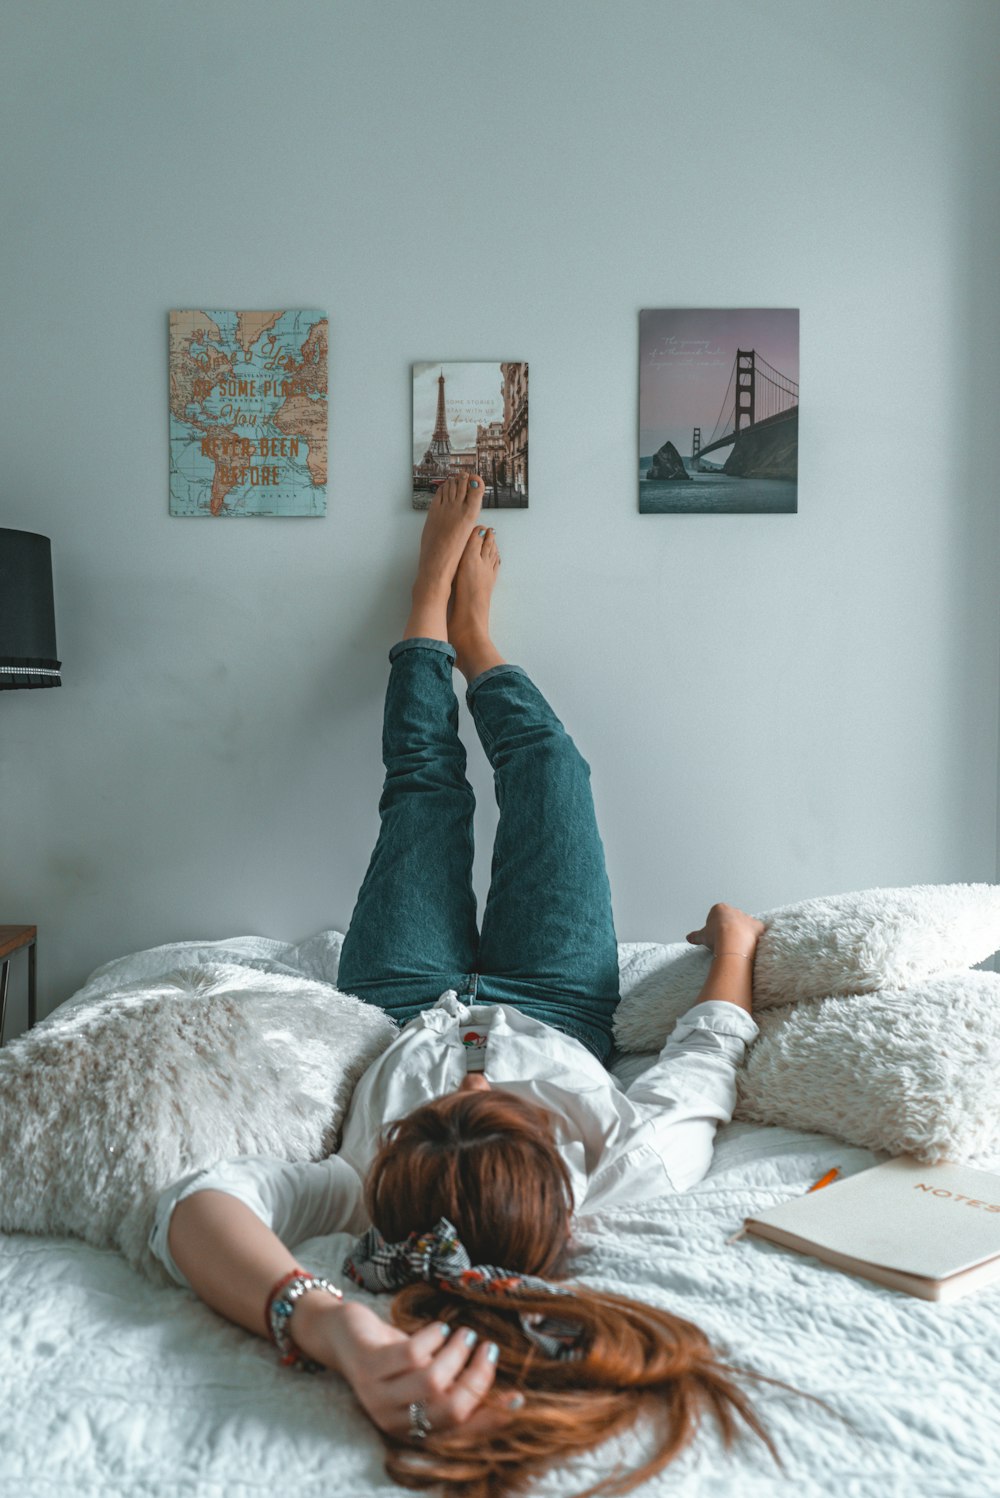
x,y
667,464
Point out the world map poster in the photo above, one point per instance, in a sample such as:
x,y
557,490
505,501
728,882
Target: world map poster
x,y
248,413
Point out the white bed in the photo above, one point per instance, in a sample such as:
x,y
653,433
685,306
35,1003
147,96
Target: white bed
x,y
111,1386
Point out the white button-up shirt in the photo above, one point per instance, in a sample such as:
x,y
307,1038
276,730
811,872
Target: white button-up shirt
x,y
653,1138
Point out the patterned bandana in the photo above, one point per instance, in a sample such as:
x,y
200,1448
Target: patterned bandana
x,y
440,1255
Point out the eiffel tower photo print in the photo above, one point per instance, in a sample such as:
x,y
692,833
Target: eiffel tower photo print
x,y
471,417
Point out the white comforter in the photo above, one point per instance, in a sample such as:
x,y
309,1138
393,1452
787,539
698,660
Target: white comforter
x,y
109,1386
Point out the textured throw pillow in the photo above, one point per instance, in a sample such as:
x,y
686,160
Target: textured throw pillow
x,y
910,1071
840,944
657,984
104,1106
876,938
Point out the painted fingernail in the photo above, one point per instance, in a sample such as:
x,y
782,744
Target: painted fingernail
x,y
471,1338
492,1352
482,533
474,484
444,1328
516,1402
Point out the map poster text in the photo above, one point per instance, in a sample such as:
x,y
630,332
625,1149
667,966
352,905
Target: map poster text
x,y
248,413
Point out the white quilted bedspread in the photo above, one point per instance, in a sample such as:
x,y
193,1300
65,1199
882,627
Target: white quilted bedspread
x,y
110,1386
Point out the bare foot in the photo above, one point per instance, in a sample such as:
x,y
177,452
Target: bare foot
x,y
451,516
469,622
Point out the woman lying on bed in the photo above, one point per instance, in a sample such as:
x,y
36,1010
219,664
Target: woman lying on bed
x,y
472,1140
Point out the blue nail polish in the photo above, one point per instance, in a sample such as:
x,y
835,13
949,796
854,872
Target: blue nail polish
x,y
444,1328
474,484
471,1338
482,533
492,1352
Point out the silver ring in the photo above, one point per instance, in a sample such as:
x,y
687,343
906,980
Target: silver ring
x,y
419,1423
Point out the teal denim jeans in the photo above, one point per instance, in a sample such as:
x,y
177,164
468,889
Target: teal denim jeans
x,y
547,944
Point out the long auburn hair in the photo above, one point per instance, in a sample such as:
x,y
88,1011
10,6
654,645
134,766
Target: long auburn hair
x,y
488,1162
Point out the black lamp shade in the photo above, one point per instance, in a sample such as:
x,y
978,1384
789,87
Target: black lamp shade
x,y
27,613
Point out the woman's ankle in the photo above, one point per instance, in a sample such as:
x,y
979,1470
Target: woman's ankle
x,y
475,654
428,615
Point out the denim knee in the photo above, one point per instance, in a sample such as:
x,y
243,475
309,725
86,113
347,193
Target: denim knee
x,y
555,750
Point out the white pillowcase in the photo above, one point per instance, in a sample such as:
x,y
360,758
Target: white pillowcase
x,y
658,984
876,938
839,944
909,1071
103,1105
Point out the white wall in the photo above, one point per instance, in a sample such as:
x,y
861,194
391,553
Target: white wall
x,y
773,706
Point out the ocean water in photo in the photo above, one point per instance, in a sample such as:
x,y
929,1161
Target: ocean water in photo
x,y
717,494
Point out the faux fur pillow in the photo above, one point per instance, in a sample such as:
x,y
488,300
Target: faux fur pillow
x,y
877,938
841,944
101,1108
910,1071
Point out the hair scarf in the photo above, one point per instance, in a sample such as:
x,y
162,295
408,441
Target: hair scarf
x,y
440,1256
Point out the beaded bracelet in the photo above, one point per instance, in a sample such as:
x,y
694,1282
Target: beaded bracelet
x,y
278,1313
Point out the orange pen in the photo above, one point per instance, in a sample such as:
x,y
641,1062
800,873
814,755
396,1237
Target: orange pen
x,y
830,1176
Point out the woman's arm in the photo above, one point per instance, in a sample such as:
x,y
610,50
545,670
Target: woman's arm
x,y
732,936
232,1259
691,1088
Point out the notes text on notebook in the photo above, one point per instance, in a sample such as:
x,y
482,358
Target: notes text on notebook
x,y
929,1230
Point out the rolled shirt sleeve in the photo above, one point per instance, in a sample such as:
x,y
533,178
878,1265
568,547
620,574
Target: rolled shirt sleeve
x,y
691,1088
296,1200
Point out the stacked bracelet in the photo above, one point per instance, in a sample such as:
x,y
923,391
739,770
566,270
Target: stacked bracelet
x,y
278,1313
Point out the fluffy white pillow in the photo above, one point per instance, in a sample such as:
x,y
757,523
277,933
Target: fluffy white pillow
x,y
103,1106
910,1071
657,984
839,944
876,938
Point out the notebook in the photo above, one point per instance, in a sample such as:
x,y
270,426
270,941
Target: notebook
x,y
929,1230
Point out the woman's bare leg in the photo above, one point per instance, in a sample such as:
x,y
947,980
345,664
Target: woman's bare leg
x,y
469,622
452,514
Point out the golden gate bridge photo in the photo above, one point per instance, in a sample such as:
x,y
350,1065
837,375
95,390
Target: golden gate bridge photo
x,y
754,438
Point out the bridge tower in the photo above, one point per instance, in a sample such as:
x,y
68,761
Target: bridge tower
x,y
696,449
746,378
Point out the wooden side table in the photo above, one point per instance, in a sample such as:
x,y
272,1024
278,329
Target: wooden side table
x,y
12,939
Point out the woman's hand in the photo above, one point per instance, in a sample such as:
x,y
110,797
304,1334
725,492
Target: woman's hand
x,y
728,930
389,1370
